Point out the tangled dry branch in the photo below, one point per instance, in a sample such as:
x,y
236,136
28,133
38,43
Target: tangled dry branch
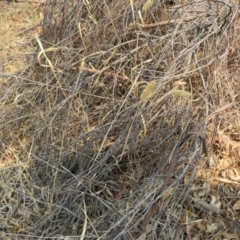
x,y
98,162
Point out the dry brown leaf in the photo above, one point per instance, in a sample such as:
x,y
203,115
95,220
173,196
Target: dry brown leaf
x,y
235,224
178,83
141,18
211,161
197,237
224,180
212,227
186,178
215,202
229,236
142,236
167,194
181,93
186,216
147,91
165,15
201,226
189,227
147,5
205,190
236,206
234,174
209,207
108,192
218,236
132,7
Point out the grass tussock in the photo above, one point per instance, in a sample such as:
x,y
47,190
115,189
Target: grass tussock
x,y
106,129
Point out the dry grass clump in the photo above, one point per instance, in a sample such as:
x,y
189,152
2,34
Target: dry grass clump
x,y
108,126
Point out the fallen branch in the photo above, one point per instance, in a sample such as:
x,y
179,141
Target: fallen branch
x,y
108,74
209,207
178,20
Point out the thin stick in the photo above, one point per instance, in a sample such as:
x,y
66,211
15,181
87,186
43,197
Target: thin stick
x,y
178,20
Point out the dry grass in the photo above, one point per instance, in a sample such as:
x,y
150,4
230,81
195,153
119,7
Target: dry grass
x,y
97,149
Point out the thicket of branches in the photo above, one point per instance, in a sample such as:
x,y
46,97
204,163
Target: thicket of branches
x,y
107,153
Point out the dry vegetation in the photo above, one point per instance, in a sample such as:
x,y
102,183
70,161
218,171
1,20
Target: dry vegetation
x,y
124,124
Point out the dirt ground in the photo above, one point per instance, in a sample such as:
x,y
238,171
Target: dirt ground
x,y
19,23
